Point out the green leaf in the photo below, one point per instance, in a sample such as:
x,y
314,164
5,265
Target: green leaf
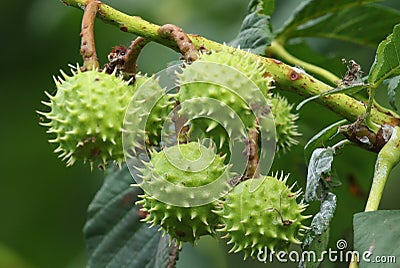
x,y
255,33
322,138
269,6
377,233
393,84
317,244
317,238
167,254
360,24
387,59
114,235
321,220
311,11
320,164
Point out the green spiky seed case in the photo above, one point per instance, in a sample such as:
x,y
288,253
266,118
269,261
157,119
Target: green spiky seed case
x,y
261,213
222,92
146,113
186,224
285,123
286,128
87,114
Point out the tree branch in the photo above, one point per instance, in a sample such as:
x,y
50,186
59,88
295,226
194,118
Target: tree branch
x,y
186,47
253,168
88,47
132,55
277,49
286,77
388,158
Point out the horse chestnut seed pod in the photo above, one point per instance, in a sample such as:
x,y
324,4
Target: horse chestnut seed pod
x,y
87,114
261,213
184,223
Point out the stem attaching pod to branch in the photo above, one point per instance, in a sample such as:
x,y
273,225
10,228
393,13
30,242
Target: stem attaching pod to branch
x,y
88,47
253,168
132,55
184,43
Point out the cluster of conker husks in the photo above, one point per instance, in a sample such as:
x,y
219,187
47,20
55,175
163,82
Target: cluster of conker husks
x,y
257,213
86,118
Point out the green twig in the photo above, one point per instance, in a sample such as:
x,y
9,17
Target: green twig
x,y
371,97
278,50
286,77
353,263
387,158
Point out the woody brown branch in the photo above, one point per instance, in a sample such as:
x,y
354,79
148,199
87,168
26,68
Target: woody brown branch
x,y
186,46
253,168
173,254
88,48
132,55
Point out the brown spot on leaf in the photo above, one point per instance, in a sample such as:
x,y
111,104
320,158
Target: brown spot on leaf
x,y
124,28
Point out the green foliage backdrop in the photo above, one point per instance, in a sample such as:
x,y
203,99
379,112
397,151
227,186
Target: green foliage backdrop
x,y
43,204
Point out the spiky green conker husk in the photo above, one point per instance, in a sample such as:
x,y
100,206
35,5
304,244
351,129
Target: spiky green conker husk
x,y
87,114
268,216
186,224
136,112
243,64
285,123
286,128
241,61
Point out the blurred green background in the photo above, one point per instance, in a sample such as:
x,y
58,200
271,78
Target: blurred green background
x,y
43,203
